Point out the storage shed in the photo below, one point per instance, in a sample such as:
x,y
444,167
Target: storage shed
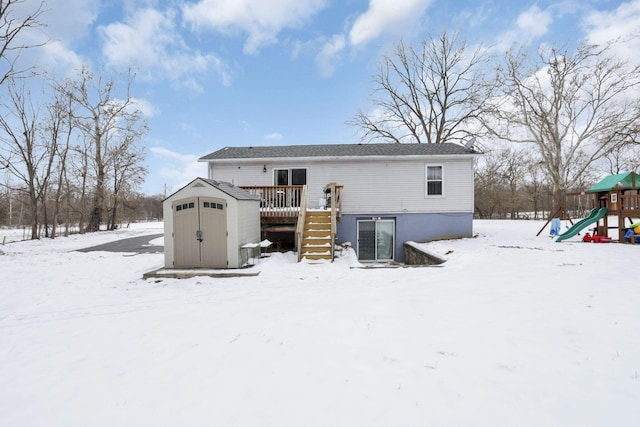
x,y
207,222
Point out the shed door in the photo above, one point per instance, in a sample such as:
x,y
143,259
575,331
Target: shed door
x,y
213,224
200,232
186,248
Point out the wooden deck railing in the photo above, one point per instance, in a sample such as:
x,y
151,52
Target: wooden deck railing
x,y
631,202
302,217
278,200
336,200
285,200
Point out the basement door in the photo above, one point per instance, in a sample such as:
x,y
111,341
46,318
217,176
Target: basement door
x,y
376,239
200,232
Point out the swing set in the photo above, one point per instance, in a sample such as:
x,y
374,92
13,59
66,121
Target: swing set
x,y
571,204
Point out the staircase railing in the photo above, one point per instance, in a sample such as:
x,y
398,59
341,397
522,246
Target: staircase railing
x,y
336,200
301,220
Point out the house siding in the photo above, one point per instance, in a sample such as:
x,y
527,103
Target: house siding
x,y
371,186
391,187
419,227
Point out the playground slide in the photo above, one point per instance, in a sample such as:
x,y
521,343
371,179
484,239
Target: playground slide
x,y
594,216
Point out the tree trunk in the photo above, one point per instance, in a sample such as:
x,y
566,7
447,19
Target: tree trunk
x,y
34,218
114,213
97,209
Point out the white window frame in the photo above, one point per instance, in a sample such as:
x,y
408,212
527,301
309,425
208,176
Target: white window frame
x,y
426,180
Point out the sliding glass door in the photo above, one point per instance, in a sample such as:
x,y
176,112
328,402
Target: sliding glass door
x,y
376,239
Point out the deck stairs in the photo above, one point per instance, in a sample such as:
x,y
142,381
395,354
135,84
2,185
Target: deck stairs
x,y
317,239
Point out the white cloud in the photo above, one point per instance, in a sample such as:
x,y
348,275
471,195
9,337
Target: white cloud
x,y
145,107
534,22
386,16
59,33
149,42
530,24
330,54
275,136
621,23
177,169
57,57
473,16
260,20
69,20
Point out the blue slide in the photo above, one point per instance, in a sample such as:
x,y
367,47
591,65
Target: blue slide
x,y
594,216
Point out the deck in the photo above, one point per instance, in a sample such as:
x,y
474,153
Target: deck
x,y
284,201
286,209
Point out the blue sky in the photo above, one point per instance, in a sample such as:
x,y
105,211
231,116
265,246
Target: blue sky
x,y
215,73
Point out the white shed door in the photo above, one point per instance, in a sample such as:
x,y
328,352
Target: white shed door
x,y
213,224
200,232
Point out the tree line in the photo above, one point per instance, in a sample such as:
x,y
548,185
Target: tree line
x,y
549,120
70,149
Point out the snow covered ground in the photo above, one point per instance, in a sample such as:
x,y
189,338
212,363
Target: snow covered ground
x,y
513,330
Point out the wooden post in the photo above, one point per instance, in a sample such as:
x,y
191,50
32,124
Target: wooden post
x,y
621,208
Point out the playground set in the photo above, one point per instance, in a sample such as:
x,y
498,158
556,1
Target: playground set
x,y
615,196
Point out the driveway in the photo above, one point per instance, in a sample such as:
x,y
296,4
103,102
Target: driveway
x,y
140,245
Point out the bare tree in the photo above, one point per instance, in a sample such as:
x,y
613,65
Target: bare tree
x,y
623,159
500,176
106,121
489,189
574,108
514,172
536,188
430,95
24,154
58,130
13,24
126,171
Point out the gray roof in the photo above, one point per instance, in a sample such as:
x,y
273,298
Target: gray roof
x,y
230,189
336,150
226,187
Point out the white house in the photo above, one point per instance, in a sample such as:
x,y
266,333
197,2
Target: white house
x,y
388,193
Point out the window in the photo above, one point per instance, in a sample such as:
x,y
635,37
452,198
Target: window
x,y
185,206
434,180
289,177
281,177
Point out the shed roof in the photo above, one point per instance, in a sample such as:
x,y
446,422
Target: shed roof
x,y
627,179
337,150
226,187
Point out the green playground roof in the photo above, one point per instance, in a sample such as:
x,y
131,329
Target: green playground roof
x,y
625,180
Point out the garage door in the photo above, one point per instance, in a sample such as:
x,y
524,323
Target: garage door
x,y
200,232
